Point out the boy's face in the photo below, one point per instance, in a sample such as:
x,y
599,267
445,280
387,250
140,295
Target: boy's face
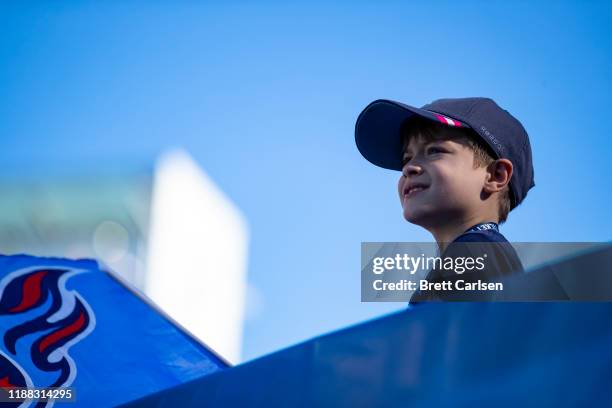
x,y
439,183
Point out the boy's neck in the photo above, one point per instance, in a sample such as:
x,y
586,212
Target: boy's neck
x,y
447,233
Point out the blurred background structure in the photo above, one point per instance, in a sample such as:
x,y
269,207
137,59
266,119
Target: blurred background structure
x,y
106,218
262,100
171,233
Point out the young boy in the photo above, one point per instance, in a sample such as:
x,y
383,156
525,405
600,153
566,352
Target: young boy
x,y
465,164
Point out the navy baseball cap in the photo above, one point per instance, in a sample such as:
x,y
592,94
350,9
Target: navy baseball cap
x,y
378,137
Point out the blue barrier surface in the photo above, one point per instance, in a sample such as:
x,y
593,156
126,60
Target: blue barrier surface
x,y
438,354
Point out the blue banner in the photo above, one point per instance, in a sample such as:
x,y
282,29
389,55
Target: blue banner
x,y
66,323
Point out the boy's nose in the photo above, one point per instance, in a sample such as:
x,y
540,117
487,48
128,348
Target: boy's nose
x,y
411,169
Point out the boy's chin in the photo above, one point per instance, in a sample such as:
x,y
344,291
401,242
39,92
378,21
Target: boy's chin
x,y
420,218
413,217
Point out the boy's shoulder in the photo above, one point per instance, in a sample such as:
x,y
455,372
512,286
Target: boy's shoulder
x,y
487,235
501,257
498,256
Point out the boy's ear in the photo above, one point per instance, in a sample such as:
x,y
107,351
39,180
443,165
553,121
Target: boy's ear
x,y
498,175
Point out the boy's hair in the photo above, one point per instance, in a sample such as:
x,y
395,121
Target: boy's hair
x,y
430,131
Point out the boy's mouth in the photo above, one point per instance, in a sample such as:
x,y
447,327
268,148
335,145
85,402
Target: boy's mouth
x,y
414,189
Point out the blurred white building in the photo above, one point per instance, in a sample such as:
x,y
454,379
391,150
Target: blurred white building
x,y
169,231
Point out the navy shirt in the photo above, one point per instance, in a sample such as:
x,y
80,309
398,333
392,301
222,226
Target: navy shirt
x,y
501,260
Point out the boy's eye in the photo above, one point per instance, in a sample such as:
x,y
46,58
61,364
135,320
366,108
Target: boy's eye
x,y
433,150
405,160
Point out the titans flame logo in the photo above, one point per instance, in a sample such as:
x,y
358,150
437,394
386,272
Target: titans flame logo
x,y
39,321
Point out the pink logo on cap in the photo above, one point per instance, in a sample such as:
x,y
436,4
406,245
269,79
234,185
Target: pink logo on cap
x,y
448,121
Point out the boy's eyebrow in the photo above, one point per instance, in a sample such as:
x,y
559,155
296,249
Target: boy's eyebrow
x,y
426,143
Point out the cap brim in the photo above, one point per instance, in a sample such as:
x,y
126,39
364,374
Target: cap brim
x,y
377,131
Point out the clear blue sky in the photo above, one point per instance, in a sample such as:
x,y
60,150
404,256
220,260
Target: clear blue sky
x,y
265,98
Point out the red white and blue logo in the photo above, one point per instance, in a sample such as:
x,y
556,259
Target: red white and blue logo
x,y
40,321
